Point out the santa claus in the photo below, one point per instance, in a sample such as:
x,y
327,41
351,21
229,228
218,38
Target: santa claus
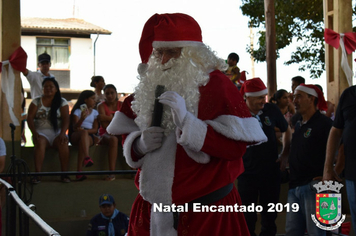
x,y
195,155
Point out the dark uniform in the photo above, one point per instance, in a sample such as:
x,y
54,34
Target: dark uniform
x,y
345,119
308,149
261,178
306,161
99,226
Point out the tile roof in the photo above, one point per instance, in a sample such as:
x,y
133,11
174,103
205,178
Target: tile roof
x,y
69,25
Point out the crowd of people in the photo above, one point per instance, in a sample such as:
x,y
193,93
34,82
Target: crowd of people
x,y
213,131
54,125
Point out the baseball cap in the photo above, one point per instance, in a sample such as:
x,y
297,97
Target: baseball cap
x,y
44,57
106,199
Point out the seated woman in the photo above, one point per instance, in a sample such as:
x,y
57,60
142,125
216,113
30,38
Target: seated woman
x,y
48,120
106,111
98,83
83,128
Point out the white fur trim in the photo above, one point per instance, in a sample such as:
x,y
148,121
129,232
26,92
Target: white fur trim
x,y
142,68
193,133
237,128
256,94
156,180
162,224
175,44
127,149
307,90
121,124
157,172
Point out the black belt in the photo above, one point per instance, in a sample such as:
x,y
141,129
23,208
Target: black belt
x,y
206,200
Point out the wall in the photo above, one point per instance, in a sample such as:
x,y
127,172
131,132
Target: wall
x,y
81,61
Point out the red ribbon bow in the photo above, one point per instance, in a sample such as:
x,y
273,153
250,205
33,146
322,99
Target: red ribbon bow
x,y
18,60
333,38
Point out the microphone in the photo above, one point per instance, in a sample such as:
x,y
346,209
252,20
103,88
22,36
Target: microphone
x,y
158,107
13,127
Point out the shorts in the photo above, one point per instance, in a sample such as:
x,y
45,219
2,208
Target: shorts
x,y
49,134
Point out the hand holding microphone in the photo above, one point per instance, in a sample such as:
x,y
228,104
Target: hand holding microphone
x,y
177,105
151,138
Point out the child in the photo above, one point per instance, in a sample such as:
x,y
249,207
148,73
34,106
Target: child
x,y
110,221
233,72
106,111
83,129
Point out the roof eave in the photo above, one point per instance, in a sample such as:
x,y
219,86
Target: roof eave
x,y
63,31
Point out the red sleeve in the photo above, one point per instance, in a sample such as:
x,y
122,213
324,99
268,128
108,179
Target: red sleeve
x,y
126,109
221,97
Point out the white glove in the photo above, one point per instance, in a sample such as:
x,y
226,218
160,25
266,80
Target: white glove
x,y
177,105
149,140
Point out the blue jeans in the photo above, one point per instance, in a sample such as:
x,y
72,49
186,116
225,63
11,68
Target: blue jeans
x,y
351,191
299,222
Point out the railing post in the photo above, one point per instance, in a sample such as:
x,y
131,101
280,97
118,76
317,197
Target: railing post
x,y
18,185
26,225
10,215
8,226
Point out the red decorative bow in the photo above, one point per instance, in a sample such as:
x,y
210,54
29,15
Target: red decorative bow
x,y
347,42
18,60
333,38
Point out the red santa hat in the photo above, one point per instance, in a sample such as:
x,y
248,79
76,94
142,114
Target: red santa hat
x,y
314,91
168,30
242,78
253,88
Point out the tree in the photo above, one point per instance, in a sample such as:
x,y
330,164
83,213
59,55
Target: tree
x,y
300,20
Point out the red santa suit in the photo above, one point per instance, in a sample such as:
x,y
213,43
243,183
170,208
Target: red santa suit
x,y
204,156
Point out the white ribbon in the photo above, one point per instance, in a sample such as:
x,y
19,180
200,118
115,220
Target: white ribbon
x,y
344,64
7,85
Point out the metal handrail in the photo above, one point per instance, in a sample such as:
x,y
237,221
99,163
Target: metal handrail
x,y
73,173
25,209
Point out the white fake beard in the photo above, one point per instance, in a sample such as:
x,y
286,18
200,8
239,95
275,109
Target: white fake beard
x,y
180,75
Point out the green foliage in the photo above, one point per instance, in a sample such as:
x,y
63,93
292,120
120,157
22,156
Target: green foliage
x,y
300,20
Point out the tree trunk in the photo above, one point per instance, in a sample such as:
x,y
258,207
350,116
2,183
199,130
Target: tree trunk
x,y
270,47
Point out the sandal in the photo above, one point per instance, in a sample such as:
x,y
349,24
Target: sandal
x,y
35,180
88,162
65,179
80,177
110,178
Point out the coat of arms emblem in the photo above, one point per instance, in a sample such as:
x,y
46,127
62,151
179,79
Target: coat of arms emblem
x,y
267,121
328,205
307,133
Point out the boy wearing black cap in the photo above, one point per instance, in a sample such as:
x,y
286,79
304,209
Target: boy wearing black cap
x,y
35,78
110,221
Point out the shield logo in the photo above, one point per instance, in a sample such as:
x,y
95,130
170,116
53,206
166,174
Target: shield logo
x,y
328,208
307,133
267,121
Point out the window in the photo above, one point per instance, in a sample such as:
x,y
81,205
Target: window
x,y
58,49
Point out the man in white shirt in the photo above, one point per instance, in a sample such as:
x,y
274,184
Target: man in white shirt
x,y
35,78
